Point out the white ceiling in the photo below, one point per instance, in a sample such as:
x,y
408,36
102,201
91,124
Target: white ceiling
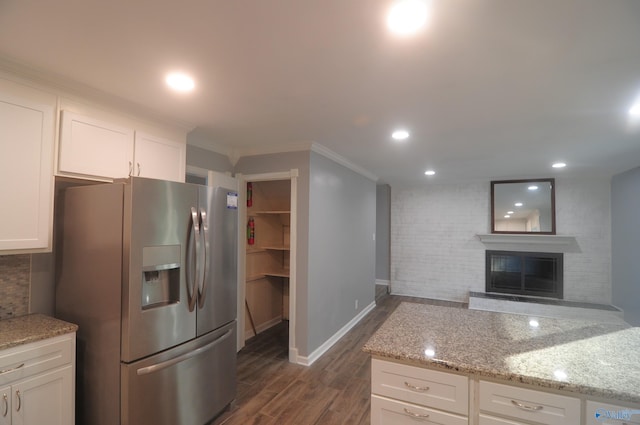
x,y
492,89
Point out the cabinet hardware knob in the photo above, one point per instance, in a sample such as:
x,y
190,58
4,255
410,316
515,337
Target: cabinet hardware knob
x,y
413,387
6,405
526,407
19,401
11,369
415,415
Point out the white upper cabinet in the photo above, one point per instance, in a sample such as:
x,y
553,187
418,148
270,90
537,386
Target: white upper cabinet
x,y
159,158
92,148
27,129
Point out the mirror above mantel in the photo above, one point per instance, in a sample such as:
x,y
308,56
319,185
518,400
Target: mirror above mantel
x,y
523,207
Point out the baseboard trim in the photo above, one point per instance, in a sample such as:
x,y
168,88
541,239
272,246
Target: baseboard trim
x,y
262,327
383,282
308,360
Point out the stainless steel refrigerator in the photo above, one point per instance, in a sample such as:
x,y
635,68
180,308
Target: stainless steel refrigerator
x,y
147,269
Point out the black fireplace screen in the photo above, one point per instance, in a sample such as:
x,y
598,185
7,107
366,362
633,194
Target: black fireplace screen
x,y
525,273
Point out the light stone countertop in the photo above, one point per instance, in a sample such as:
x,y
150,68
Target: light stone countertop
x,y
30,328
591,358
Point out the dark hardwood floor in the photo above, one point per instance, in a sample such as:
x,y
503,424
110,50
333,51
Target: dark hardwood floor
x,y
335,389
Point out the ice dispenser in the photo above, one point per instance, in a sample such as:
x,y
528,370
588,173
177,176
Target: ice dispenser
x,y
160,276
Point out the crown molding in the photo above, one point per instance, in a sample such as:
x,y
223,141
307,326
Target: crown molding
x,y
328,153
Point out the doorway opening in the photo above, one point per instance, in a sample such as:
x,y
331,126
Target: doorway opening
x,y
267,293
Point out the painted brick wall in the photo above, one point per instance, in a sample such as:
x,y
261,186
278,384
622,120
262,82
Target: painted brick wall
x,y
435,253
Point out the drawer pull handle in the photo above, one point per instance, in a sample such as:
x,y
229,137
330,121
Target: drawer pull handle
x,y
415,415
11,369
413,387
6,405
19,401
526,407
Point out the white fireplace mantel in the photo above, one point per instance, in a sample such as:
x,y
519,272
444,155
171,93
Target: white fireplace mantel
x,y
529,243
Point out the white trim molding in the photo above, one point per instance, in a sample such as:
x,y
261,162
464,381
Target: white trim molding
x,y
383,282
309,360
327,153
530,243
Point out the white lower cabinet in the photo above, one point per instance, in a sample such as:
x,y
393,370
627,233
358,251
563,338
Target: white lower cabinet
x,y
492,420
386,411
529,405
403,394
38,383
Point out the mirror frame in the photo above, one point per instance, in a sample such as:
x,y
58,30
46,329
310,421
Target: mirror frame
x,y
553,206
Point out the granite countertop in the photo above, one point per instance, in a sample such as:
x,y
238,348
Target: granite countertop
x,y
591,358
33,327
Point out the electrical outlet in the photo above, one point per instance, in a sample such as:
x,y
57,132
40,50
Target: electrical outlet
x,y
356,304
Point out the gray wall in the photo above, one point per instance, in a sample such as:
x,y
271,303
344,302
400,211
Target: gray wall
x,y
625,240
383,232
342,221
284,162
208,160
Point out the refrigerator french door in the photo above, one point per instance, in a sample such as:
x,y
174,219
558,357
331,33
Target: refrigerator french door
x,y
148,272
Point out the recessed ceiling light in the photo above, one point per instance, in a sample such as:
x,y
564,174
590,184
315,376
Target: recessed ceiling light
x,y
400,135
634,111
509,212
518,204
179,81
534,323
406,17
429,173
559,165
507,216
533,188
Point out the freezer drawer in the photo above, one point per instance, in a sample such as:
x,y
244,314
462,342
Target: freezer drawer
x,y
187,385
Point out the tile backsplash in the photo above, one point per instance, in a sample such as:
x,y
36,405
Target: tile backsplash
x,y
14,285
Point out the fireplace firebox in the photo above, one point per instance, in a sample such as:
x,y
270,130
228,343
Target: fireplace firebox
x,y
524,273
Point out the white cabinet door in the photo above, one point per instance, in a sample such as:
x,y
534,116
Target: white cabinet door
x,y
26,168
44,399
5,406
90,147
159,158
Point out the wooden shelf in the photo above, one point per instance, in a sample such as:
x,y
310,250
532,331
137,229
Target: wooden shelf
x,y
281,273
255,250
268,212
276,248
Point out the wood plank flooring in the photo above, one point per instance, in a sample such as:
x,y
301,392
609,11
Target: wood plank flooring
x,y
334,390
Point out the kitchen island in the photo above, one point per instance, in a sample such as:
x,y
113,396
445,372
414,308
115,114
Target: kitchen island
x,y
496,361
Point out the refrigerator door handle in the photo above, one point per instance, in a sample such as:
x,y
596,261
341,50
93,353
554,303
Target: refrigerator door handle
x,y
192,274
168,363
205,272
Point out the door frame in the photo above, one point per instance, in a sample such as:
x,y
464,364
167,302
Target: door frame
x,y
243,179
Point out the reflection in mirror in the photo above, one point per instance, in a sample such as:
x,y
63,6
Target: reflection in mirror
x,y
523,206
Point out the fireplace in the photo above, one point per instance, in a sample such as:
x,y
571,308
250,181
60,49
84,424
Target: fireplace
x,y
524,273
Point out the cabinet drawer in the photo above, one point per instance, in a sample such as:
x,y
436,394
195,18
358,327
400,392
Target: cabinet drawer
x,y
29,359
490,420
385,411
421,386
535,406
606,414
